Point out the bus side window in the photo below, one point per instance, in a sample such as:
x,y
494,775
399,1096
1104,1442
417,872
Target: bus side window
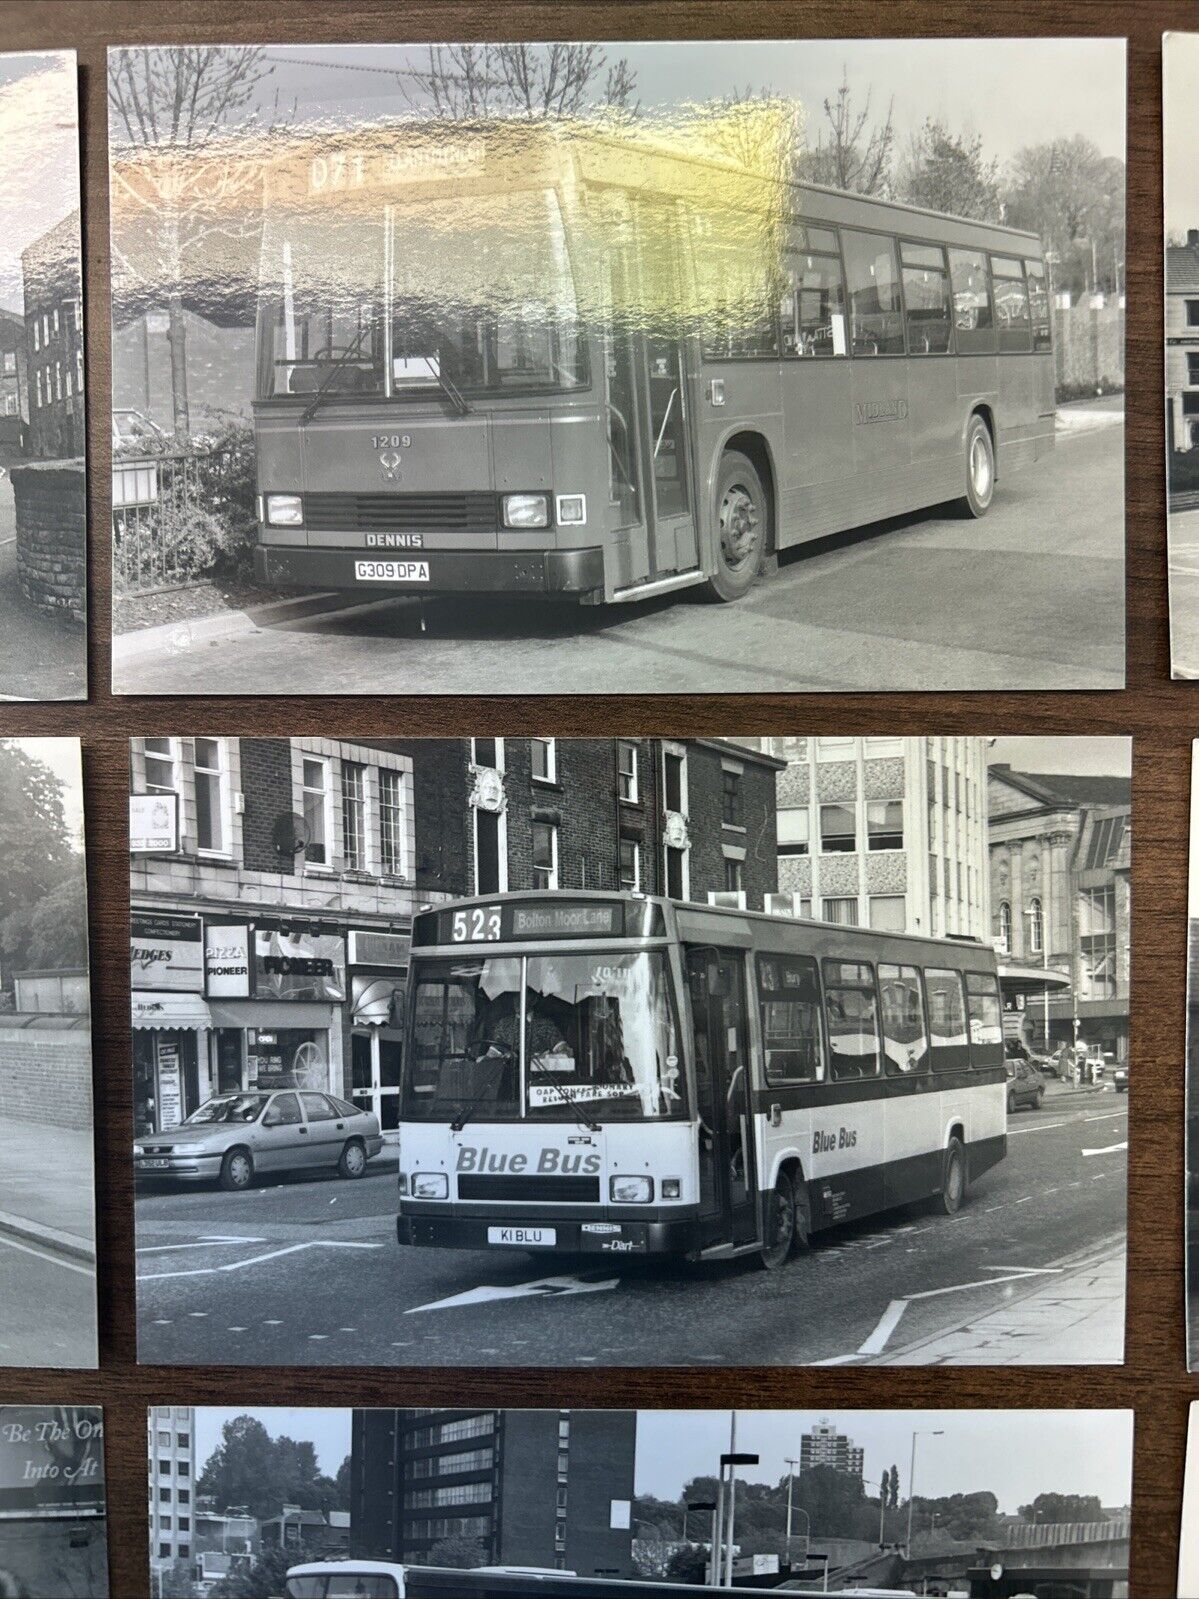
x,y
947,1019
851,1016
1038,304
986,1016
1011,304
792,1037
973,317
928,304
875,309
905,1042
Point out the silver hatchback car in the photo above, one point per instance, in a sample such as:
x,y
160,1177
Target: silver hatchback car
x,y
234,1137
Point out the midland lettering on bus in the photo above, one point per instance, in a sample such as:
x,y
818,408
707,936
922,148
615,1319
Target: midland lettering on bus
x,y
622,1075
561,361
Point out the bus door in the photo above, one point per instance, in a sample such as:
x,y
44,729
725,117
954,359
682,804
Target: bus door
x,y
665,442
727,1178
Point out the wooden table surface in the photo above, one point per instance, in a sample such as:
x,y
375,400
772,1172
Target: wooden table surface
x,y
1162,716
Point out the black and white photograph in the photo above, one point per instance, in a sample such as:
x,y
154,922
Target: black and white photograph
x,y
1180,78
1192,1083
53,1507
630,1052
47,1168
1188,1543
43,491
436,366
605,1504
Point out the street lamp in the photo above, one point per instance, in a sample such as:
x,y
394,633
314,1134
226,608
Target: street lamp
x,y
791,1465
923,1433
726,1509
696,1504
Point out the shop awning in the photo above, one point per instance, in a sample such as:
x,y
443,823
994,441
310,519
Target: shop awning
x,y
269,1013
1017,979
171,1010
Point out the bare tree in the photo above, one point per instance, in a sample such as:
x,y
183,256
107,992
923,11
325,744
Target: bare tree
x,y
854,153
760,130
169,106
469,82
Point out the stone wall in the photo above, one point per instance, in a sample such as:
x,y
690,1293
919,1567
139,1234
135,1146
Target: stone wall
x,y
51,516
46,1077
1089,348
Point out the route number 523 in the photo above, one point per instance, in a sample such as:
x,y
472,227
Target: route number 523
x,y
475,926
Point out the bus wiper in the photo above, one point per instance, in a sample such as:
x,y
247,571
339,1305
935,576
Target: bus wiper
x,y
348,354
447,386
463,1114
547,1076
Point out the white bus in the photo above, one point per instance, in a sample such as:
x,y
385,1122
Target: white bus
x,y
382,1579
627,1075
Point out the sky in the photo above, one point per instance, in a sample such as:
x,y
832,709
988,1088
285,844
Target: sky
x,y
1180,125
61,755
328,1430
1012,92
39,156
1094,757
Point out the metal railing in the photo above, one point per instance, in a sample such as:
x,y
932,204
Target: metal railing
x,y
163,506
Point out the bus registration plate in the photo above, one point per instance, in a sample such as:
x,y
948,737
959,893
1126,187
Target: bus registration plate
x,y
524,1237
391,571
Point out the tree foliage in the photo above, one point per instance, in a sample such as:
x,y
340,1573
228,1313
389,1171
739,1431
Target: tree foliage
x,y
43,888
458,1553
853,149
946,171
250,1468
1062,1508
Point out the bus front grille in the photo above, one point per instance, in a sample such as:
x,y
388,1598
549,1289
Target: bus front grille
x,y
553,1190
468,512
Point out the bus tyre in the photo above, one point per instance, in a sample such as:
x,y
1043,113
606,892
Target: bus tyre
x,y
237,1170
953,1181
980,467
803,1217
353,1160
742,528
779,1224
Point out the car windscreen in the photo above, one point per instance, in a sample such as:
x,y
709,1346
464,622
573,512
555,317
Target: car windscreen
x,y
233,1108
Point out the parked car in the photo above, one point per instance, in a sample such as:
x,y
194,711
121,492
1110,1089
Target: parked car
x,y
233,1138
1120,1077
1017,1049
1025,1085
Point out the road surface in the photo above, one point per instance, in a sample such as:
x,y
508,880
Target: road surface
x,y
309,1273
48,1300
1032,596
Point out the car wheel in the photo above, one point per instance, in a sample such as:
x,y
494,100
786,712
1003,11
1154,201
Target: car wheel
x,y
353,1160
980,467
779,1224
954,1185
742,528
237,1170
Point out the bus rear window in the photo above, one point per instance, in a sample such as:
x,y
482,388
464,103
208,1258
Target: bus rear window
x,y
1038,305
947,1019
792,1040
1011,304
875,309
973,316
851,1012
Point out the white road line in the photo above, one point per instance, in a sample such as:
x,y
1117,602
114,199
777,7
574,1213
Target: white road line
x,y
541,1288
256,1260
203,1243
887,1324
1042,1127
55,1260
1108,1149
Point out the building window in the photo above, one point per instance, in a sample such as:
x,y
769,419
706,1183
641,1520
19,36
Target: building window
x,y
841,912
630,864
1192,367
838,830
795,832
37,335
161,771
1005,927
1192,315
1097,942
888,913
731,804
734,875
1107,837
58,380
1036,927
884,824
353,815
10,360
54,324
626,761
212,789
79,371
314,785
545,760
545,855
391,823
38,382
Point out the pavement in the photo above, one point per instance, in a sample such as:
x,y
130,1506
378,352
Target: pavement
x,y
42,657
1184,593
309,1273
47,1246
852,612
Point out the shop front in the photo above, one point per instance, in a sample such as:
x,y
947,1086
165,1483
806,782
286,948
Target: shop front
x,y
171,1019
378,972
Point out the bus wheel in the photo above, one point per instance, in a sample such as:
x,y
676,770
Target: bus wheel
x,y
803,1218
742,524
953,1182
780,1224
980,467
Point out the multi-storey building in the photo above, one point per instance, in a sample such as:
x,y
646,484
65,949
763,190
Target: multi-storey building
x,y
1060,850
823,1445
171,1438
54,343
548,1488
273,882
13,395
888,833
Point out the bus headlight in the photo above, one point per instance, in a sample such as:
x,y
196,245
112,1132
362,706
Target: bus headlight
x,y
630,1190
430,1185
526,510
284,510
672,1187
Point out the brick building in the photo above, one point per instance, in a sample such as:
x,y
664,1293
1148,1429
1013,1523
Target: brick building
x,y
54,343
1182,345
547,1488
14,408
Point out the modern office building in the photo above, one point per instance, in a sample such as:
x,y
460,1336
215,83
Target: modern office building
x,y
548,1488
825,1446
171,1447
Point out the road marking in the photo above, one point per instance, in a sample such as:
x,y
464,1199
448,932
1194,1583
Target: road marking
x,y
204,1243
54,1260
886,1325
1041,1127
891,1317
1108,1149
540,1288
1109,1116
257,1260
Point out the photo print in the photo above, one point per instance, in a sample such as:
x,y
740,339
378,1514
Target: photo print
x,y
450,364
524,1051
43,487
1180,74
53,1537
47,1176
562,1504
